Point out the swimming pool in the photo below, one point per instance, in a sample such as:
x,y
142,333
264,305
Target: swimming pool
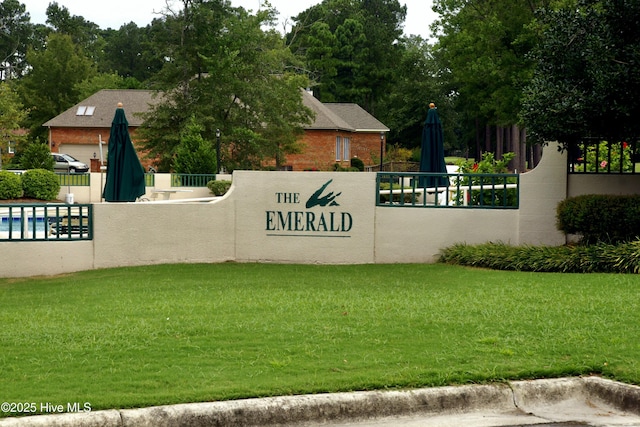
x,y
15,224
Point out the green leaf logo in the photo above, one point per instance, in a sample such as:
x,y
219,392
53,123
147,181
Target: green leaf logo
x,y
327,200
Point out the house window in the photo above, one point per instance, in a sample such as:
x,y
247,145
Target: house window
x,y
12,147
346,149
338,148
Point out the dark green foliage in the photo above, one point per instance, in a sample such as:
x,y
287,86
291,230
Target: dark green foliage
x,y
351,48
483,59
586,77
40,184
36,156
357,163
600,218
10,185
218,188
194,155
49,87
599,258
339,168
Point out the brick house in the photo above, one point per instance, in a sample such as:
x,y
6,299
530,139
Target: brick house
x,y
78,130
340,131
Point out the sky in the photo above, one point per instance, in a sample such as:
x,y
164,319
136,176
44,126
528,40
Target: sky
x,y
108,14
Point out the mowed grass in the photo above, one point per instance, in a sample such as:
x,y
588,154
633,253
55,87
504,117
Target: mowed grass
x,y
133,337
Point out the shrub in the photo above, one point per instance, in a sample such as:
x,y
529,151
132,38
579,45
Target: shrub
x,y
194,155
37,156
599,258
218,188
600,218
479,171
396,153
338,168
357,163
606,156
10,185
40,184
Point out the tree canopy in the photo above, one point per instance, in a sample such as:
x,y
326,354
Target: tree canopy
x,y
560,69
587,73
226,71
49,88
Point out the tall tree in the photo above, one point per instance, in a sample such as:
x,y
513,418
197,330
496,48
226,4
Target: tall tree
x,y
587,75
224,70
484,46
11,116
16,32
83,33
128,52
417,84
50,86
359,39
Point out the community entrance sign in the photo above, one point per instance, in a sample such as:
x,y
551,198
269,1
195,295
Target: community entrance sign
x,y
306,217
318,216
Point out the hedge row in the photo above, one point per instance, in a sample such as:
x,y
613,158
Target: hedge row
x,y
600,218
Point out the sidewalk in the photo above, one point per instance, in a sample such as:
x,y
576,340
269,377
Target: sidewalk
x,y
588,401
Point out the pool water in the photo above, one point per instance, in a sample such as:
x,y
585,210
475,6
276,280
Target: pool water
x,y
15,224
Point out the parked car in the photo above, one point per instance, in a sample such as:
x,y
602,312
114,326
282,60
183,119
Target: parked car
x,y
67,163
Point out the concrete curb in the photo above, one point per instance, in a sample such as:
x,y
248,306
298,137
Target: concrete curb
x,y
521,396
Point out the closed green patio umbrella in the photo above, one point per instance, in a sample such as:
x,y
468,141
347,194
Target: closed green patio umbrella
x,y
432,150
125,174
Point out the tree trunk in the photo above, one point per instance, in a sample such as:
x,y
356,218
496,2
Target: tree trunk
x,y
487,139
478,153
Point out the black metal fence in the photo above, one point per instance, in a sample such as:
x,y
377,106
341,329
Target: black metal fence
x,y
596,155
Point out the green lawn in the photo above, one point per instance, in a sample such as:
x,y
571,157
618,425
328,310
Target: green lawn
x,y
134,337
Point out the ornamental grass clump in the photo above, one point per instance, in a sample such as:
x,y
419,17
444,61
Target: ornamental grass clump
x,y
597,258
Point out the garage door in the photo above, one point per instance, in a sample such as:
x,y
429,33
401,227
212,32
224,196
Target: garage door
x,y
84,153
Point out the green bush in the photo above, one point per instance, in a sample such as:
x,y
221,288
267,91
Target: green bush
x,y
37,156
10,185
338,168
40,184
357,163
599,258
218,188
600,218
194,155
478,171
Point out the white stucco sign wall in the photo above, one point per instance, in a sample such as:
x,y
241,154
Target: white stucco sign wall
x,y
304,217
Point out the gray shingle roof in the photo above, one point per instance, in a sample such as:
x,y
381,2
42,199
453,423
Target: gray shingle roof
x,y
105,103
329,116
357,117
341,116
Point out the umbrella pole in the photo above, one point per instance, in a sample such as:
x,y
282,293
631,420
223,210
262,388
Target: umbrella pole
x,y
101,168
